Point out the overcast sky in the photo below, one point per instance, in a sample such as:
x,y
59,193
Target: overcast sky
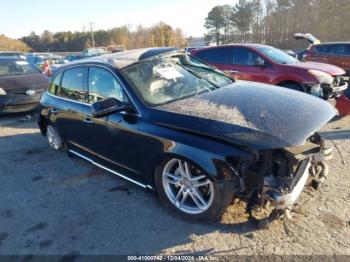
x,y
20,17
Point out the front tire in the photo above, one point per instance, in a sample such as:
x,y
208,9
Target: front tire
x,y
53,138
186,190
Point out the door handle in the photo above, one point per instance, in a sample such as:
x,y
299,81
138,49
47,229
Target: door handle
x,y
88,120
233,71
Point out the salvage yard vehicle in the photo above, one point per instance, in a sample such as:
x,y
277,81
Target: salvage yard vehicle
x,y
167,122
335,53
343,104
47,63
13,54
21,85
261,63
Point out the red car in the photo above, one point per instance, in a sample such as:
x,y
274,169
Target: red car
x,y
343,104
261,63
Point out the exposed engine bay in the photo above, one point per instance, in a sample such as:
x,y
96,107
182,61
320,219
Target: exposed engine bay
x,y
275,180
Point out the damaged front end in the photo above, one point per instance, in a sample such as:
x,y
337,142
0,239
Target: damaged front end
x,y
276,178
327,86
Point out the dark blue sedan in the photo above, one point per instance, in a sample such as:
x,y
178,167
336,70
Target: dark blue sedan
x,y
168,122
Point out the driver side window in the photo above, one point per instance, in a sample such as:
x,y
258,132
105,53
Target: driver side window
x,y
245,57
102,84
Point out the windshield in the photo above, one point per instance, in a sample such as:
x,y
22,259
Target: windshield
x,y
202,70
8,68
277,55
162,80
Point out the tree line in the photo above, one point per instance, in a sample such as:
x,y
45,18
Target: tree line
x,y
160,34
271,22
274,22
9,44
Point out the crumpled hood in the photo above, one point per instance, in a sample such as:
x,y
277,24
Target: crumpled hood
x,y
251,114
327,68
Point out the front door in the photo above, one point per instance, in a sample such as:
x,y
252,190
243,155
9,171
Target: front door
x,y
245,66
112,139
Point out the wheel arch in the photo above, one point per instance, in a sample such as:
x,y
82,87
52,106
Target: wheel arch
x,y
43,122
214,165
281,83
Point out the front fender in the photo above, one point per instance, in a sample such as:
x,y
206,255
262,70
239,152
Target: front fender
x,y
211,155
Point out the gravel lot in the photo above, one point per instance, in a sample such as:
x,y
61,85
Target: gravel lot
x,y
53,204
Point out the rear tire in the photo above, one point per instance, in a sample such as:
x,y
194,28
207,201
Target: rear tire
x,y
53,138
185,190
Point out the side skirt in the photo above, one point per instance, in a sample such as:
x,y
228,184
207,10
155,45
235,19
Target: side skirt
x,y
110,170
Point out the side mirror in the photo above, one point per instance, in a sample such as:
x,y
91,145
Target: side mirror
x,y
260,62
108,106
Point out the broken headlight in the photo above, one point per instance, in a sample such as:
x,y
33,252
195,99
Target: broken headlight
x,y
322,77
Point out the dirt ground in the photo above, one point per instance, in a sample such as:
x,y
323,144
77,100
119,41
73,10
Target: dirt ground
x,y
53,204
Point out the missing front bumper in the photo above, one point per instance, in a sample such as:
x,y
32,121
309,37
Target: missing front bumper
x,y
285,200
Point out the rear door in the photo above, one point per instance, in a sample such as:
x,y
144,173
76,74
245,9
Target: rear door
x,y
67,109
319,53
219,57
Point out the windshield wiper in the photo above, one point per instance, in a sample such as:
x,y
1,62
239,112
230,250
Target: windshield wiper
x,y
197,75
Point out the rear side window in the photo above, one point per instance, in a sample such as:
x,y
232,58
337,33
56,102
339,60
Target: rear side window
x,y
223,55
55,84
323,48
102,84
347,49
340,49
73,85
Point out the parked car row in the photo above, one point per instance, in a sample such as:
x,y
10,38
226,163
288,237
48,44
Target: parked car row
x,y
269,65
189,125
48,63
24,77
250,62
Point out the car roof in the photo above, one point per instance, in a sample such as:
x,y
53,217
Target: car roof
x,y
254,45
251,45
11,52
123,59
9,59
40,54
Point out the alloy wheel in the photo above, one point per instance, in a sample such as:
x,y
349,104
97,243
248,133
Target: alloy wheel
x,y
187,187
